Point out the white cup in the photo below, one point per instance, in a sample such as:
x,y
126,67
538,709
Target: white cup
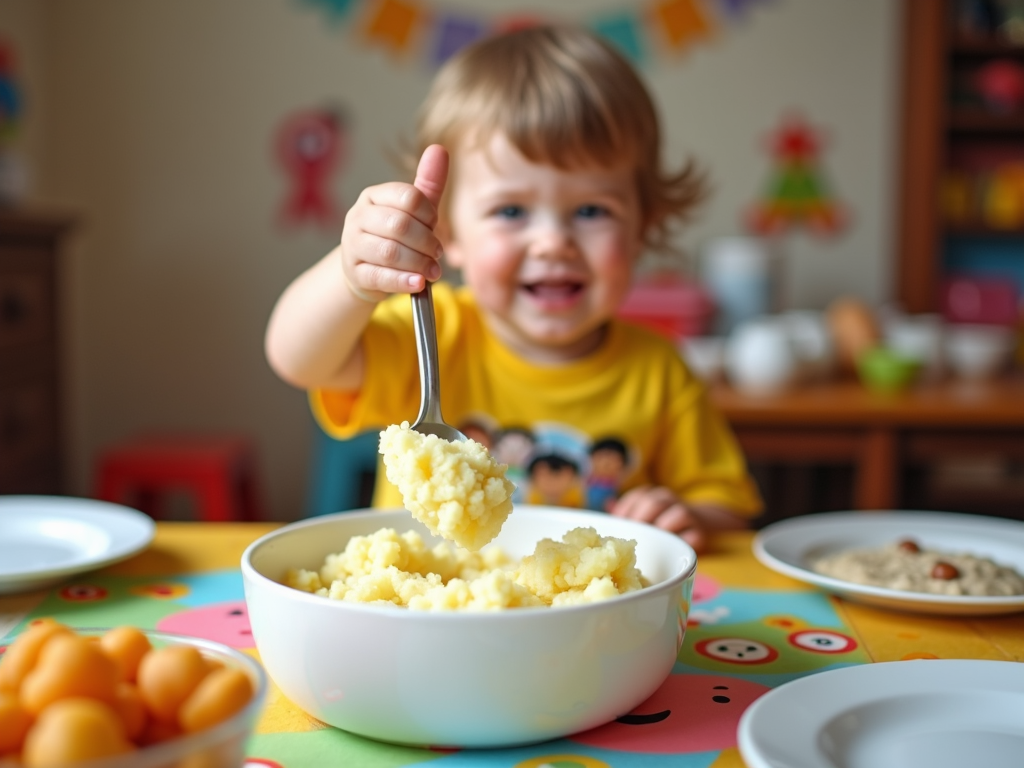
x,y
919,337
760,358
811,341
740,272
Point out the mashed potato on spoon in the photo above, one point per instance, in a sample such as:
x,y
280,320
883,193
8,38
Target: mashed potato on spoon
x,y
457,490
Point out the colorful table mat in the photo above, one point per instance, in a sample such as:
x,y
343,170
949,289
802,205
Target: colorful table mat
x,y
749,631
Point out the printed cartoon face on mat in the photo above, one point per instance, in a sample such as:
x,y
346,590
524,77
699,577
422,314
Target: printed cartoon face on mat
x,y
226,623
688,713
776,644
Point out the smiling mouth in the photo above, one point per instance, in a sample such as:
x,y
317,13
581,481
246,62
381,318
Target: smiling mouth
x,y
554,291
654,717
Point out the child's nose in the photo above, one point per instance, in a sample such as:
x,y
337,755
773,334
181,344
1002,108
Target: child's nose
x,y
551,240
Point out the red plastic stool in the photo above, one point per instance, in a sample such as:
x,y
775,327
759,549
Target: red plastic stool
x,y
219,471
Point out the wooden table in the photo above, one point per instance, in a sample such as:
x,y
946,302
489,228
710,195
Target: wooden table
x,y
879,434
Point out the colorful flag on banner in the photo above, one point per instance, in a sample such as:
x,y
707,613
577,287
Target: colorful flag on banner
x,y
623,31
454,33
335,10
392,23
737,8
399,24
682,22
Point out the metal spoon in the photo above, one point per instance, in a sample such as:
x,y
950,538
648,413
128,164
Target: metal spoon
x,y
429,421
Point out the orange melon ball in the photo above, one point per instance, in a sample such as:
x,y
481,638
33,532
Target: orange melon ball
x,y
21,656
158,731
217,697
126,646
129,707
14,723
167,676
73,730
69,666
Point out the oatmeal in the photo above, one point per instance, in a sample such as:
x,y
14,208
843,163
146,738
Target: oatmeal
x,y
905,566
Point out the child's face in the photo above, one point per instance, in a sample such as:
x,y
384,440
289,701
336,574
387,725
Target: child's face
x,y
548,253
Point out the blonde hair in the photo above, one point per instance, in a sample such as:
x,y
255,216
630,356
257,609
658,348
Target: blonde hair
x,y
564,97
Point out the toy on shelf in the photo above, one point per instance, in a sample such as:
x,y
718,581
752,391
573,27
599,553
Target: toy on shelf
x,y
1000,84
669,304
991,301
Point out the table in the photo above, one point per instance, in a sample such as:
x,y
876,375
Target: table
x,y
188,581
879,434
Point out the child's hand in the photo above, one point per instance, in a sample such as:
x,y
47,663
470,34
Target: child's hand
x,y
388,243
660,507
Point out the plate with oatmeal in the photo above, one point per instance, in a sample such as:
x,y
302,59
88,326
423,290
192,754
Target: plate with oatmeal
x,y
929,562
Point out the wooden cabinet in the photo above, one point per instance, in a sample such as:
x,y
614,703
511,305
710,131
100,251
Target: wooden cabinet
x,y
30,375
958,140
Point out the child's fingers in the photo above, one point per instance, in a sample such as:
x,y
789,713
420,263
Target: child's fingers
x,y
678,519
399,196
432,173
644,504
374,277
406,232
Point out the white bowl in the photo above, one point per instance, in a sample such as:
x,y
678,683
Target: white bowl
x,y
978,351
760,357
460,679
705,356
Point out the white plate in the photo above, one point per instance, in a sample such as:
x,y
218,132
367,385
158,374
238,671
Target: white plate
x,y
45,539
789,545
939,713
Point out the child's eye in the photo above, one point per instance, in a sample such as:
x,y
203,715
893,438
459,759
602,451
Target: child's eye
x,y
592,212
510,212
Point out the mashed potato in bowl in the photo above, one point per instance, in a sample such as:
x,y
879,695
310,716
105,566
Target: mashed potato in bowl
x,y
389,568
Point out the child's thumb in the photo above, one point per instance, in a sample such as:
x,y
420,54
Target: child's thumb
x,y
432,173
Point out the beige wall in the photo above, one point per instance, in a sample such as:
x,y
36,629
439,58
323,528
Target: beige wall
x,y
154,120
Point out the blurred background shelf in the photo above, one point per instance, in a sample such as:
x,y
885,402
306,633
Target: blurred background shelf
x,y
962,148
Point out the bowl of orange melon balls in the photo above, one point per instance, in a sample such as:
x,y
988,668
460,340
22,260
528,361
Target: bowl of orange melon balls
x,y
123,696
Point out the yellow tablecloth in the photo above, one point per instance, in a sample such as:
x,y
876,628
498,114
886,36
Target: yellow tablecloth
x,y
751,629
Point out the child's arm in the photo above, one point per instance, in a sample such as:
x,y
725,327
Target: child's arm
x,y
659,506
387,246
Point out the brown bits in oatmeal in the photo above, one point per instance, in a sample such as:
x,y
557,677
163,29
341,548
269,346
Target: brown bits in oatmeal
x,y
945,571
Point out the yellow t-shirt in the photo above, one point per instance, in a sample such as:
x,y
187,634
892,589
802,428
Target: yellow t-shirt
x,y
582,432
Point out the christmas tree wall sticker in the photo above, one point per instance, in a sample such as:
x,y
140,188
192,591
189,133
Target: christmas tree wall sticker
x,y
797,195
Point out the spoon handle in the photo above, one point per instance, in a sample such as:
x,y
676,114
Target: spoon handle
x,y
426,349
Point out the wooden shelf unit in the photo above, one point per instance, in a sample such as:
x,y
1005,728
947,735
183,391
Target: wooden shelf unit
x,y
933,128
30,369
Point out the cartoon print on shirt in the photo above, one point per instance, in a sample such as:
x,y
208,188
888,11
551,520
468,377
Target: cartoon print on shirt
x,y
609,462
478,430
513,446
553,463
555,480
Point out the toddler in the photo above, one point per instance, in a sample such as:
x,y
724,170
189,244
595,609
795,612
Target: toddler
x,y
540,178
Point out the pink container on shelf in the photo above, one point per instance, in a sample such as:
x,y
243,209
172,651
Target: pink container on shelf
x,y
983,301
670,305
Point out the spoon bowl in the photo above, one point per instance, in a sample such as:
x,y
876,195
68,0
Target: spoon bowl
x,y
429,421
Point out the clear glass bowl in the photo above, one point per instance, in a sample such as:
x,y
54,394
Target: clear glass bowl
x,y
222,746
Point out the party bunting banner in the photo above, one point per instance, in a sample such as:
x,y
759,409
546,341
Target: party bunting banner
x,y
407,28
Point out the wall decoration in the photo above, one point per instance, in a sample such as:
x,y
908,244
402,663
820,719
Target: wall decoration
x,y
797,195
311,146
430,29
